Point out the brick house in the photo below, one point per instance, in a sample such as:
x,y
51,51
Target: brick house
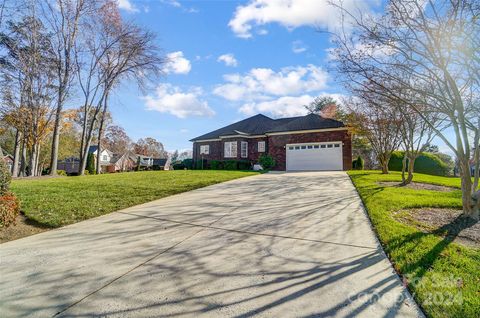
x,y
310,142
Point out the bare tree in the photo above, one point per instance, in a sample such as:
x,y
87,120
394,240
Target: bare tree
x,y
63,18
27,70
150,147
117,51
436,42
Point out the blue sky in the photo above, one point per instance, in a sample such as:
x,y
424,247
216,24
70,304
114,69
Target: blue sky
x,y
229,60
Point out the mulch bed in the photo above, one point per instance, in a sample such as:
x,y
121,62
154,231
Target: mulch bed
x,y
23,227
448,223
418,186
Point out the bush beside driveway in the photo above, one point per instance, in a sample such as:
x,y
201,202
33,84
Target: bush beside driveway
x,y
442,275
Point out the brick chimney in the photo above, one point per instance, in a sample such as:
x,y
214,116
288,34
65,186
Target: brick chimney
x,y
329,111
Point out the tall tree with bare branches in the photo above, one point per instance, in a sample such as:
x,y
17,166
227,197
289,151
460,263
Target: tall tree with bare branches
x,y
118,50
436,43
64,19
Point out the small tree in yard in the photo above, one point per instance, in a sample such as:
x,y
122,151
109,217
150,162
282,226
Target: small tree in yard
x,y
374,120
9,204
91,163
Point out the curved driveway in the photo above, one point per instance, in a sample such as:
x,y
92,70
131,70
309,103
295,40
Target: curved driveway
x,y
273,245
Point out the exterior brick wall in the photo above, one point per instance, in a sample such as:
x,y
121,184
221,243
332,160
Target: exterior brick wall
x,y
217,149
276,145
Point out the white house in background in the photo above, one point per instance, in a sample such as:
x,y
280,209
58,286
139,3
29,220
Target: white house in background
x,y
105,157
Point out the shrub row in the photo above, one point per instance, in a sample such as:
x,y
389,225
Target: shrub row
x,y
426,163
213,165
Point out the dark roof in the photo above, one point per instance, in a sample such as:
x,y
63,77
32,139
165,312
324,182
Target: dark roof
x,y
261,124
92,149
311,121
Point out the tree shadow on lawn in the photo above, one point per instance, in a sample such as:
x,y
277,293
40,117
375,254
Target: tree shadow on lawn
x,y
448,232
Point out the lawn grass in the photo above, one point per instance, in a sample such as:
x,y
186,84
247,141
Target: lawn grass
x,y
443,276
56,202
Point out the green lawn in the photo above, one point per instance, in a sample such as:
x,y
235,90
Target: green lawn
x,y
432,263
59,201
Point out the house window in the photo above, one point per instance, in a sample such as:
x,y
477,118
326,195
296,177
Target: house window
x,y
105,158
204,149
244,149
261,146
230,150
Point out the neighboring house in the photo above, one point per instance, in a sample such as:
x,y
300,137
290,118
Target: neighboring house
x,y
160,164
309,142
120,163
110,162
106,164
69,165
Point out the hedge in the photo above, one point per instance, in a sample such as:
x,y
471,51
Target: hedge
x,y
426,163
214,164
358,164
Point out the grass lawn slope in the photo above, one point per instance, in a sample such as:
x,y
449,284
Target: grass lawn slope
x,y
56,202
443,276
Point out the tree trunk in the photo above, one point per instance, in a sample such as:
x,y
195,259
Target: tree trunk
x,y
384,159
476,159
31,163
56,135
88,141
404,168
468,201
476,205
23,161
100,132
411,167
16,153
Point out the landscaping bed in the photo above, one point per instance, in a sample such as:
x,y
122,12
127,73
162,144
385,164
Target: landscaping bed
x,y
55,202
448,223
418,186
442,274
23,227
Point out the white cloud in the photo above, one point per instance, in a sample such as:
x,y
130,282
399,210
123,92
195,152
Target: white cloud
x,y
127,5
173,3
261,82
262,32
298,47
286,106
184,130
290,13
229,59
172,100
177,63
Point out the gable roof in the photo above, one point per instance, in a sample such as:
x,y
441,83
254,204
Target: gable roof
x,y
261,124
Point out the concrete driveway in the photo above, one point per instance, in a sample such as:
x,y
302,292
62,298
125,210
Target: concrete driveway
x,y
276,245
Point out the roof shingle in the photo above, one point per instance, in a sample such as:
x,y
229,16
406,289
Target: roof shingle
x,y
261,124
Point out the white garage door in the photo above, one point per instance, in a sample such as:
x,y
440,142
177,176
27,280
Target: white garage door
x,y
315,156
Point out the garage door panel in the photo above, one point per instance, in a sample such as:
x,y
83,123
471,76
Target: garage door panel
x,y
315,156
